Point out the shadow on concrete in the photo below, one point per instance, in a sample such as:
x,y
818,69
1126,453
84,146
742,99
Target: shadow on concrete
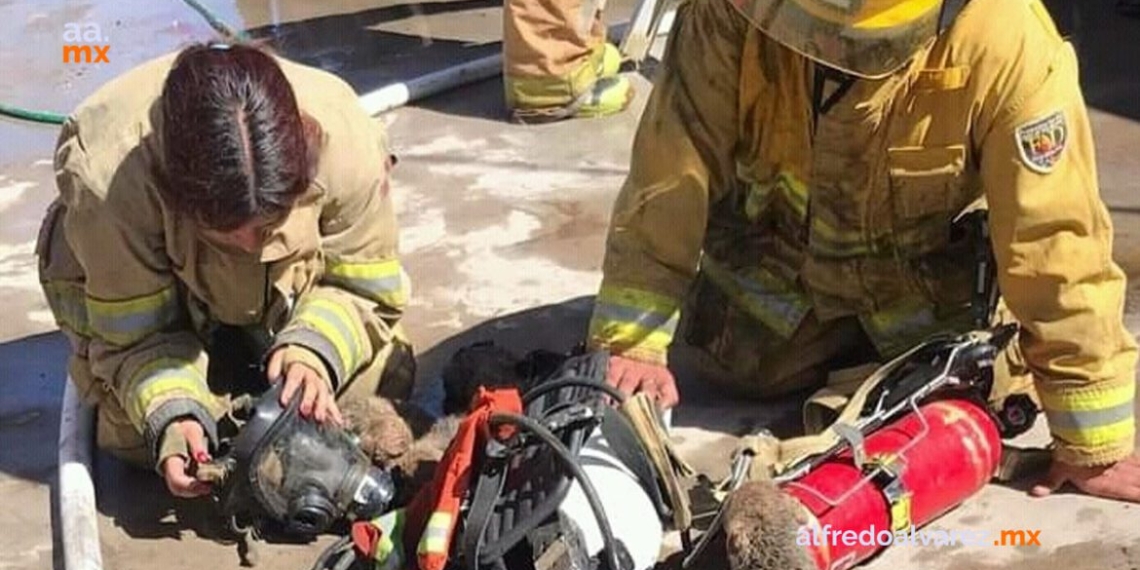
x,y
556,327
560,327
33,372
148,510
350,46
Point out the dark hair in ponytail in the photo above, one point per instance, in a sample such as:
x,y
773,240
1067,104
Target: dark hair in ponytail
x,y
236,146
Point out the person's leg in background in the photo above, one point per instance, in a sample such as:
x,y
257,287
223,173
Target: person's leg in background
x,y
557,63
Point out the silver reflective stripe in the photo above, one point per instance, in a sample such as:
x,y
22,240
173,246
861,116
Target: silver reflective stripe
x,y
1089,419
377,289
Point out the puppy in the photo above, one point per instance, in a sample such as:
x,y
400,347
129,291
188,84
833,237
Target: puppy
x,y
402,438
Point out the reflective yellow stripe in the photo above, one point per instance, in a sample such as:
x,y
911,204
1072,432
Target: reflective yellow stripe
x,y
159,379
794,192
553,90
825,237
638,299
625,335
1091,399
384,548
769,299
126,322
633,306
1122,431
434,539
68,303
335,323
1091,417
389,554
634,319
381,281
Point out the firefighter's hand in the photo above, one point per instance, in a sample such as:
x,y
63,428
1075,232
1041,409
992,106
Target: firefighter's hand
x,y
633,376
317,399
1119,481
189,435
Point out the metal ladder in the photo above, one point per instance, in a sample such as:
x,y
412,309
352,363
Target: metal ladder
x,y
650,19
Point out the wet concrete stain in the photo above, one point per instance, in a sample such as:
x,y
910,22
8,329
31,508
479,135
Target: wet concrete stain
x,y
1089,555
1089,514
572,236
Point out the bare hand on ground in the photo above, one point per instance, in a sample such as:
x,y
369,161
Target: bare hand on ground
x,y
1120,481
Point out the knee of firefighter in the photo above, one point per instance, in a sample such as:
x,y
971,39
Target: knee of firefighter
x,y
391,373
91,390
116,435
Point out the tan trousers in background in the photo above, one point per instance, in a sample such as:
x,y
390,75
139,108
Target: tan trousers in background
x,y
552,51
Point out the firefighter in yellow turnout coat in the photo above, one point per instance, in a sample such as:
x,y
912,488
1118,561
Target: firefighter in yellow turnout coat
x,y
240,207
794,190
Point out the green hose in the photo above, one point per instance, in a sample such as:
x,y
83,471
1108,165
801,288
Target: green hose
x,y
51,118
216,22
36,116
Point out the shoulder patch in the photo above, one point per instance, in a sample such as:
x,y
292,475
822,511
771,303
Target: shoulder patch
x,y
1041,141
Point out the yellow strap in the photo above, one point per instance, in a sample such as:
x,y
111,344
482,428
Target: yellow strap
x,y
773,456
434,539
668,465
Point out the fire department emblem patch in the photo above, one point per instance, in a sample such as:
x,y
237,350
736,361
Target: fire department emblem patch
x,y
1041,142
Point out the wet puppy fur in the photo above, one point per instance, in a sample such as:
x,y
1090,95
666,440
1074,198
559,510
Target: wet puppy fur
x,y
401,437
761,524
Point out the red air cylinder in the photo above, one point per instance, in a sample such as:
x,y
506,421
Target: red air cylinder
x,y
938,465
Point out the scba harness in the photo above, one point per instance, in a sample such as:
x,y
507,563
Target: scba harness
x,y
535,480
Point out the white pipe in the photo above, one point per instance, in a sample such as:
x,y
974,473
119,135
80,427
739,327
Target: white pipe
x,y
78,518
399,94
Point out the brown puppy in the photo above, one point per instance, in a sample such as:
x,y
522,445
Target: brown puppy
x,y
761,525
401,437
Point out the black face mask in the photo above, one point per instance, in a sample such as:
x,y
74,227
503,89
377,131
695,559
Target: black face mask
x,y
302,475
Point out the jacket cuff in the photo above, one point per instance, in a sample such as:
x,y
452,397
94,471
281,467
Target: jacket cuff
x,y
1091,425
1092,457
633,323
648,356
310,347
157,422
296,353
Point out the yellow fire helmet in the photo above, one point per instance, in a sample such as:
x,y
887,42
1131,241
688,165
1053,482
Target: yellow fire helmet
x,y
866,38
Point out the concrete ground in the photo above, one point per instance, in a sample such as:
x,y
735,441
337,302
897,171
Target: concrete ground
x,y
502,232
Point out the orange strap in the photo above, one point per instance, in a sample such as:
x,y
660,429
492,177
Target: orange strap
x,y
435,509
